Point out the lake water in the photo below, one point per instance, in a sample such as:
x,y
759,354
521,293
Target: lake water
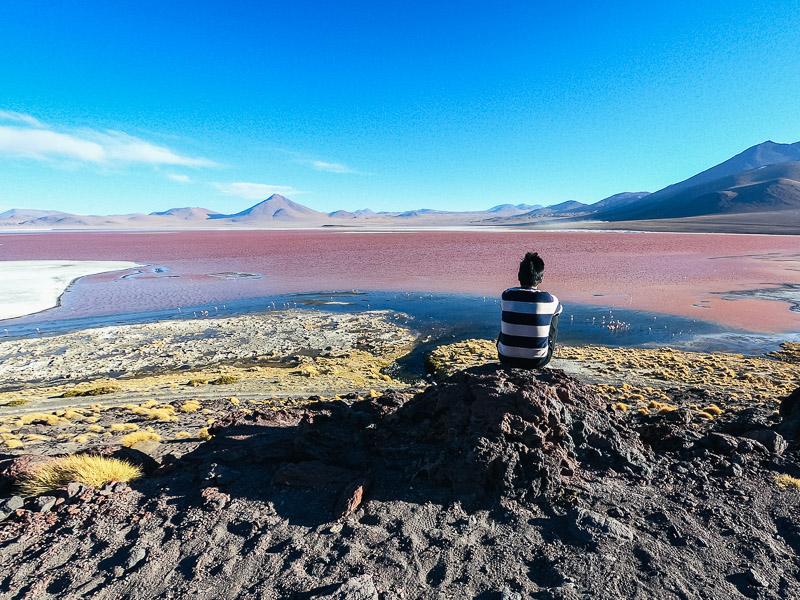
x,y
701,291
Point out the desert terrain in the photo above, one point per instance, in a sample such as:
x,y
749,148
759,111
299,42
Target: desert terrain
x,y
282,457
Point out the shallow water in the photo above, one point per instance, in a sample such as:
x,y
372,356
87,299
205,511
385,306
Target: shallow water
x,y
664,288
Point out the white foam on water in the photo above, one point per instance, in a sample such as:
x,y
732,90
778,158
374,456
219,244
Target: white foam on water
x,y
30,286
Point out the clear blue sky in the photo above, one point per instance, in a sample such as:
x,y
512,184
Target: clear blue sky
x,y
108,107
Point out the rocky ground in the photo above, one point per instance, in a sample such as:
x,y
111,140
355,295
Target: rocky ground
x,y
627,474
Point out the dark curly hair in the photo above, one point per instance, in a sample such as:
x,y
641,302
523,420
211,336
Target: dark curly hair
x,y
531,270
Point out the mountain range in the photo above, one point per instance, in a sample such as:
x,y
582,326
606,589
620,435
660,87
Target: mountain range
x,y
755,191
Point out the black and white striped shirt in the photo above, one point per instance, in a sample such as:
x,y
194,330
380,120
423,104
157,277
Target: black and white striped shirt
x,y
525,327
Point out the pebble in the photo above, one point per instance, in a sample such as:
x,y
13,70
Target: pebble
x,y
137,555
9,506
507,594
44,503
756,579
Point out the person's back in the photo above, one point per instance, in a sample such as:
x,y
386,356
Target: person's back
x,y
529,325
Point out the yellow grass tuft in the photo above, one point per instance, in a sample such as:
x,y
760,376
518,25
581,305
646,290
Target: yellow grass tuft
x,y
83,468
96,428
234,401
73,414
189,406
13,443
197,382
80,439
224,379
139,436
17,402
92,419
787,481
207,411
182,435
713,409
620,406
160,414
661,406
123,427
704,415
35,437
105,389
204,435
50,419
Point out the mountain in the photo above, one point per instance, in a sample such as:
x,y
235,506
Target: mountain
x,y
757,190
276,207
28,214
619,200
503,210
770,188
188,213
760,155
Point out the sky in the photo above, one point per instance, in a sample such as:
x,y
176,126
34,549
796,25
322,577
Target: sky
x,y
109,108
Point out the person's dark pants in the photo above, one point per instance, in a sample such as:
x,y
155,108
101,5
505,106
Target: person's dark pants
x,y
526,363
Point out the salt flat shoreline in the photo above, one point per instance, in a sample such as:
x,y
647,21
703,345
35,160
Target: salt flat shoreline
x,y
31,286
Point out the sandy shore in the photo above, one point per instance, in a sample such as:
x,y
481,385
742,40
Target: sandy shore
x,y
29,286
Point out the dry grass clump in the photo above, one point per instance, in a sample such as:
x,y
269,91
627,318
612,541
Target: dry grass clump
x,y
96,428
224,379
620,406
234,401
13,443
182,435
204,435
35,437
787,481
189,406
17,402
98,391
51,419
83,468
139,436
713,409
705,415
123,427
661,406
197,382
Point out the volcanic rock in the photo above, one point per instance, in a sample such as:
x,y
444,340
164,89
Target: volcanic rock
x,y
13,469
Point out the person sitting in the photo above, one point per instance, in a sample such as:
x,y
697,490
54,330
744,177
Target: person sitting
x,y
529,325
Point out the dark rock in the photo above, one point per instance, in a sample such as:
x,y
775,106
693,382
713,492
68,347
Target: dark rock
x,y
312,474
750,446
357,588
221,475
13,469
350,499
213,499
790,405
723,443
507,594
136,556
772,441
511,432
733,470
591,527
756,579
44,503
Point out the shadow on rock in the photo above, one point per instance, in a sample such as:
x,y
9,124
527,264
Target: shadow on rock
x,y
483,435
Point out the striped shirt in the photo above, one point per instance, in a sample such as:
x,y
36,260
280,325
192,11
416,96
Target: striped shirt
x,y
525,327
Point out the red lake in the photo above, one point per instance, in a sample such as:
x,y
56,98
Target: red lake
x,y
742,281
